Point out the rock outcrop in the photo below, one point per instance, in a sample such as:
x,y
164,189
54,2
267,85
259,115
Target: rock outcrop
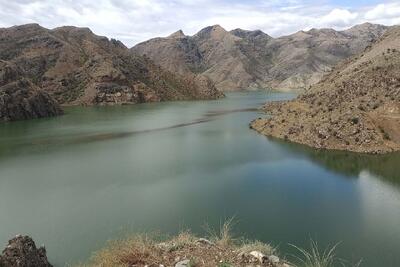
x,y
21,251
21,99
241,59
76,67
356,107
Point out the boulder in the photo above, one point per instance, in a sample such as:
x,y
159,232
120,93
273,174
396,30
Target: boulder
x,y
21,251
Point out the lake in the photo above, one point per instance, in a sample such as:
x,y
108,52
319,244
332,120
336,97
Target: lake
x,y
98,173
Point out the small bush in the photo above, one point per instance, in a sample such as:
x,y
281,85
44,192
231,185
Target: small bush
x,y
386,136
355,120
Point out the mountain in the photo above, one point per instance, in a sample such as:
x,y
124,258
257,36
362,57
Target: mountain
x,y
73,66
355,107
241,59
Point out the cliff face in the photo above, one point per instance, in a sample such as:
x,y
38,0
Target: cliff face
x,y
21,99
75,66
356,107
240,59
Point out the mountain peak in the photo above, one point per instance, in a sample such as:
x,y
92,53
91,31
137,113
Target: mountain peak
x,y
29,26
249,34
217,27
215,32
177,34
366,28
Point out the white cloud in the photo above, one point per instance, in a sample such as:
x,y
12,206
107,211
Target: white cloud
x,y
133,21
384,13
338,18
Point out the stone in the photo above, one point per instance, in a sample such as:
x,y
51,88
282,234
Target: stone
x,y
205,242
22,252
273,259
258,255
183,263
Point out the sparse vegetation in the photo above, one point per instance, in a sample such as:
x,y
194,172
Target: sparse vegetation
x,y
220,249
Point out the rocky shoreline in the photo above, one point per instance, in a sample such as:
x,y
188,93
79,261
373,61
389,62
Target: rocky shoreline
x,y
354,108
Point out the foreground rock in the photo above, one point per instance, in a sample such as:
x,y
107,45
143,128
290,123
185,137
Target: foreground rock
x,y
240,59
73,66
22,252
356,107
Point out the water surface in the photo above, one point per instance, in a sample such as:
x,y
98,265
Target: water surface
x,y
75,181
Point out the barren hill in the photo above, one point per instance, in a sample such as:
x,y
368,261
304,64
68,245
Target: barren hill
x,y
241,59
356,107
75,66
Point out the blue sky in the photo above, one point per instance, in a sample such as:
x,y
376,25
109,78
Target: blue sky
x,y
133,21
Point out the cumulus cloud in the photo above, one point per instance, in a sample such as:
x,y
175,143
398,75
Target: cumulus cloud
x,y
133,21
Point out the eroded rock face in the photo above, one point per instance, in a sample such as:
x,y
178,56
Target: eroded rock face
x,y
21,100
356,107
21,251
240,59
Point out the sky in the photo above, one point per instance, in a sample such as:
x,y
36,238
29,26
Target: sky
x,y
133,21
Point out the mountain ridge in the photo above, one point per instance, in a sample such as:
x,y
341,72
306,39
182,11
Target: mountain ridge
x,y
73,66
241,59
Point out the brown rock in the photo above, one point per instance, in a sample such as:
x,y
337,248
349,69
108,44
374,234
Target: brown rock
x,y
21,251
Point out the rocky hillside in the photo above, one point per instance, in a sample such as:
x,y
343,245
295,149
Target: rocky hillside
x,y
242,59
21,99
75,66
356,107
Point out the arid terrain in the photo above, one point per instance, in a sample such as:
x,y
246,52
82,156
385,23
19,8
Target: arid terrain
x,y
73,66
240,59
356,107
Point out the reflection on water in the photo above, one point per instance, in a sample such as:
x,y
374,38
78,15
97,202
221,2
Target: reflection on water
x,y
75,181
386,167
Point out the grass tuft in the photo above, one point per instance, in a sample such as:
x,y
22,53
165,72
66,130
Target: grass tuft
x,y
315,257
224,236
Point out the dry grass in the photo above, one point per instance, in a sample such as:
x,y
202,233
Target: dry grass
x,y
223,250
314,257
224,236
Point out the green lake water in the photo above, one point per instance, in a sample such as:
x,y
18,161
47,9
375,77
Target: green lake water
x,y
99,173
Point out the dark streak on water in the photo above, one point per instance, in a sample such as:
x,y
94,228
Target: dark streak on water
x,y
107,136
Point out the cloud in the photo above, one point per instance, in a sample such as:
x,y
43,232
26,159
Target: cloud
x,y
133,21
339,18
386,13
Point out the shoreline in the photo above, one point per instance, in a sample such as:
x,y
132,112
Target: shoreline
x,y
296,121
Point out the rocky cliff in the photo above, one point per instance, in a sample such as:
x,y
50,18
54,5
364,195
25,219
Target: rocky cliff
x,y
75,66
356,107
242,59
21,99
